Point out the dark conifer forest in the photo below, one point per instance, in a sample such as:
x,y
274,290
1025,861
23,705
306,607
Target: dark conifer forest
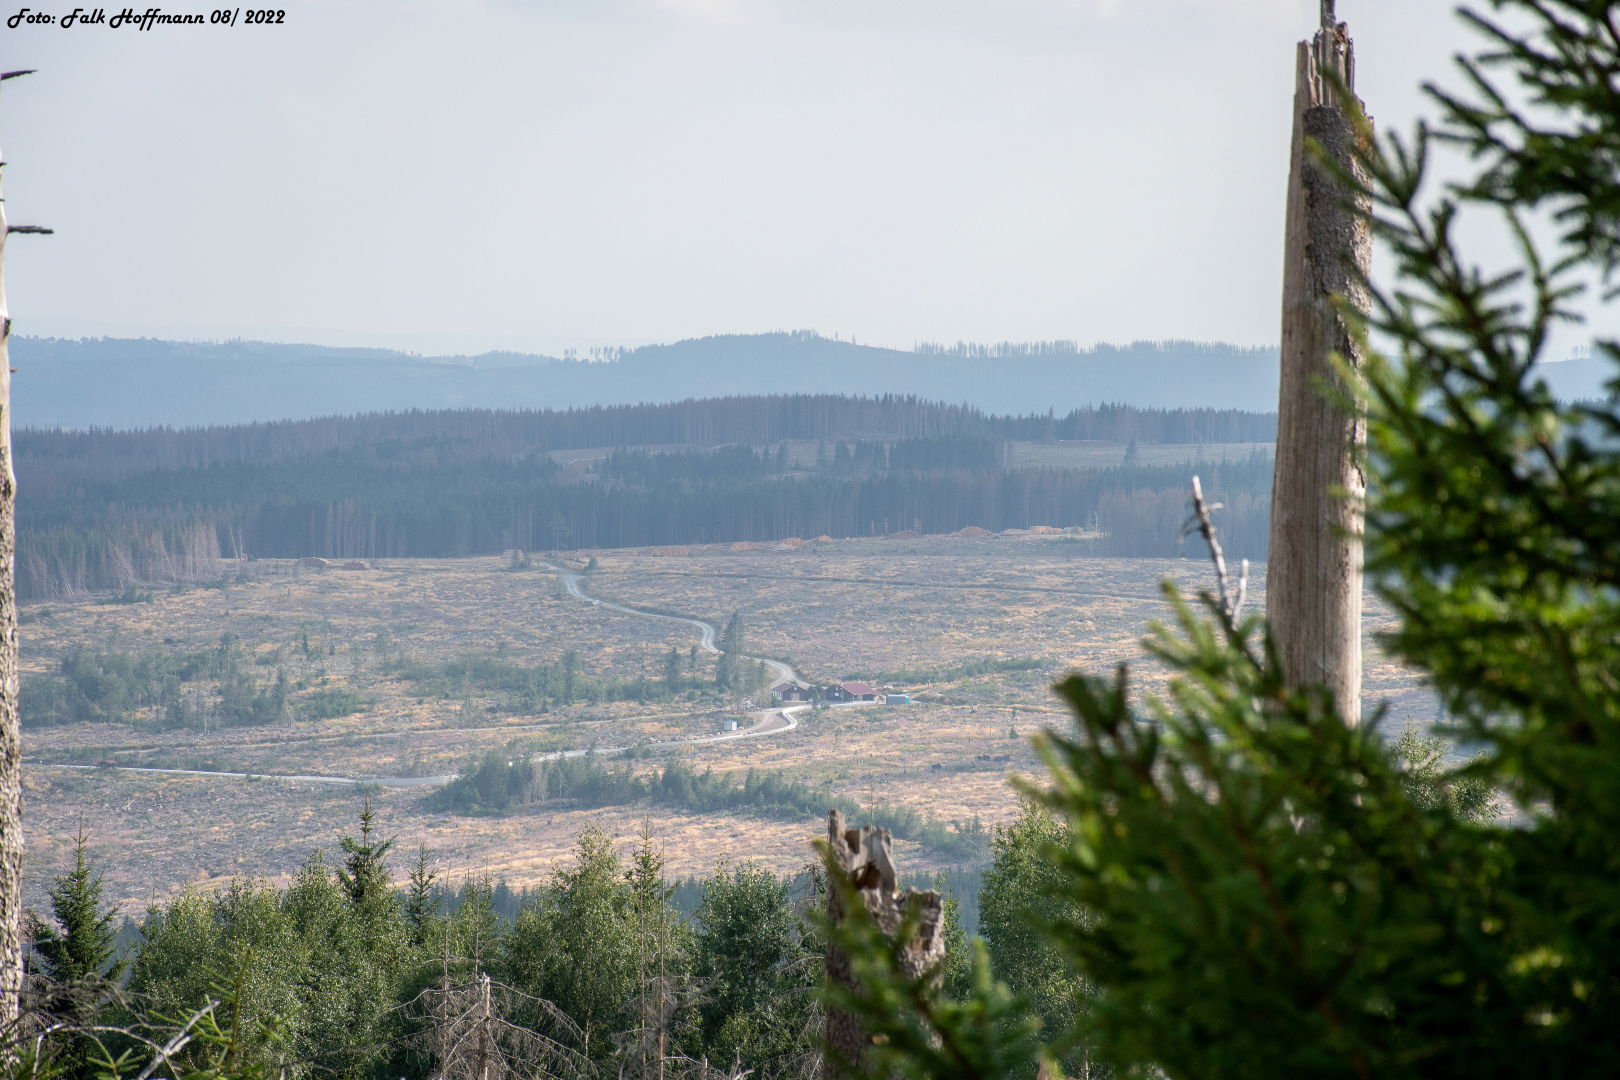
x,y
103,509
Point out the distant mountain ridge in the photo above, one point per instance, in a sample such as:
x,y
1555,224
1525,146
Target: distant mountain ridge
x,y
124,383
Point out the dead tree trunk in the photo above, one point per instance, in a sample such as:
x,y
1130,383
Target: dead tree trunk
x,y
481,1071
866,855
1313,576
11,836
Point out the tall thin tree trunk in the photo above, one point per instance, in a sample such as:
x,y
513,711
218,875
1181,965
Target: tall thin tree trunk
x,y
11,835
641,978
1313,575
661,1014
482,1071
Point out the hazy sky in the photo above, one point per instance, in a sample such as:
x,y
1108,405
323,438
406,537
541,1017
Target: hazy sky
x,y
451,174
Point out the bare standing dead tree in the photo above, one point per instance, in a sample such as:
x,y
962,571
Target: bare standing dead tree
x,y
11,837
475,1028
1231,601
1313,575
480,1029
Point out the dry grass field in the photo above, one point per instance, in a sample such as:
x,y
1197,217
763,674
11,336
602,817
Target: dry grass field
x,y
888,609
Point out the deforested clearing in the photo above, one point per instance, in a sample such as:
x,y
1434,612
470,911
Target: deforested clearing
x,y
418,668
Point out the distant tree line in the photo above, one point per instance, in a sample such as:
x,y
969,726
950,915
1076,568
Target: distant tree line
x,y
470,483
1122,423
502,782
948,453
1147,523
504,435
56,456
639,466
515,688
291,512
1005,350
159,689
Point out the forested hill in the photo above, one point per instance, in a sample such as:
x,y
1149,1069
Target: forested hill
x,y
515,434
107,510
137,383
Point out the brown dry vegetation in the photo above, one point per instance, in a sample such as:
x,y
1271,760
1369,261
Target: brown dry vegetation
x,y
834,609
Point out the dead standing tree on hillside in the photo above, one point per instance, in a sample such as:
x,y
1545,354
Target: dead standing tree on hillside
x,y
485,1030
865,857
1313,580
11,838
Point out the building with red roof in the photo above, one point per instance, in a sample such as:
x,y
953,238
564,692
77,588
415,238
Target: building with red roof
x,y
849,691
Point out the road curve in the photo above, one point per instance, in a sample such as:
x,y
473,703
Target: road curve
x,y
571,582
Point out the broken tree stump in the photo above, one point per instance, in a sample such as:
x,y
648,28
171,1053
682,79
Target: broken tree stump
x,y
1313,574
866,857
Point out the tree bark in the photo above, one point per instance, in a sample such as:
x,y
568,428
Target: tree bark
x,y
1313,577
867,856
11,836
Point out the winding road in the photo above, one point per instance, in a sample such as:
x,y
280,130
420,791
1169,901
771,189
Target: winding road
x,y
770,722
571,582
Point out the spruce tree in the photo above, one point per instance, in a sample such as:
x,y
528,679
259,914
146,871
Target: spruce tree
x,y
731,647
751,950
577,948
672,670
570,665
80,946
419,897
1022,893
365,873
731,639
